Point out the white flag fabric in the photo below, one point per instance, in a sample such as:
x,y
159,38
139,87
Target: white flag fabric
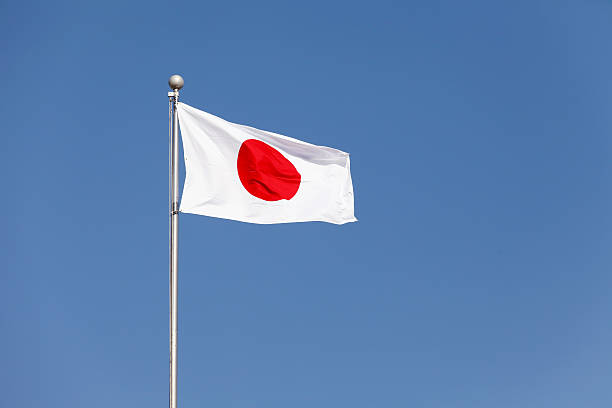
x,y
246,174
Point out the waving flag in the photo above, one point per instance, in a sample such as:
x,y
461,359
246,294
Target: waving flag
x,y
246,174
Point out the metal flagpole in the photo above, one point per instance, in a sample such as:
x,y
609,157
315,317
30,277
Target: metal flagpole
x,y
176,82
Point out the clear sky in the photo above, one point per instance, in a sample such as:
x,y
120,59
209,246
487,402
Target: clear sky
x,y
478,274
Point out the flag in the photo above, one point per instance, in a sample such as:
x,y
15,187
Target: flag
x,y
246,174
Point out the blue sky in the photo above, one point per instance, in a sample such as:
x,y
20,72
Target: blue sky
x,y
478,274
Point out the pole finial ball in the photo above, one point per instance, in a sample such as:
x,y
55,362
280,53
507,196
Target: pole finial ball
x,y
176,82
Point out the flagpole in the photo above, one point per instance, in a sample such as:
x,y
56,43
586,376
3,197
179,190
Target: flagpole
x,y
176,82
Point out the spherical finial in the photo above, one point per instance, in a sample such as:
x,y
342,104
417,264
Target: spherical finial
x,y
176,82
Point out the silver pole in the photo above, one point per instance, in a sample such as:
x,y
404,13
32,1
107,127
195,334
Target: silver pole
x,y
176,82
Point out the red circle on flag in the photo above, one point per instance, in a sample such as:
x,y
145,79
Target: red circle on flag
x,y
266,173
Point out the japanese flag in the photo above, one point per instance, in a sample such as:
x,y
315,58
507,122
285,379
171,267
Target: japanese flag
x,y
246,174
